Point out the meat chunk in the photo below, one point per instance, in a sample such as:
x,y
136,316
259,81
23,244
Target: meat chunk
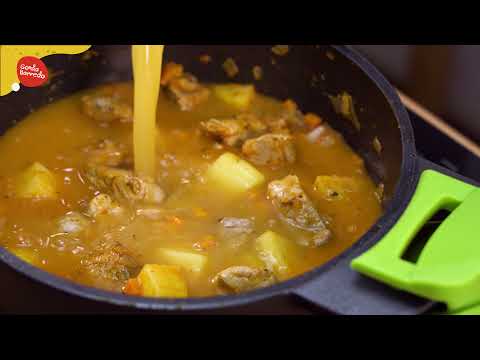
x,y
240,279
123,185
188,92
236,230
292,115
109,266
170,72
103,204
109,104
230,132
270,150
184,88
297,210
287,119
233,132
107,153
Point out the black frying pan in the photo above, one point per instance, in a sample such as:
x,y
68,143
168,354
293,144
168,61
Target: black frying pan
x,y
307,75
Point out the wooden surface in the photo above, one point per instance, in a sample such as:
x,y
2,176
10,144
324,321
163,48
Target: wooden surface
x,y
440,124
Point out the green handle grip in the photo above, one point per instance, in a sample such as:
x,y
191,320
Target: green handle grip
x,y
448,269
475,310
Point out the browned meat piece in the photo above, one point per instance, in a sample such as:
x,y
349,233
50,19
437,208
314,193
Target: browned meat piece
x,y
255,125
109,266
289,118
188,92
103,204
230,132
107,153
184,88
108,105
270,150
297,210
291,108
123,185
277,125
233,132
240,279
170,72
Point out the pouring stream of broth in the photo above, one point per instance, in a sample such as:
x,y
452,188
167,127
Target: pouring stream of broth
x,y
147,70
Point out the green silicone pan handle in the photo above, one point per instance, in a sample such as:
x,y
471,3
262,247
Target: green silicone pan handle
x,y
471,311
448,269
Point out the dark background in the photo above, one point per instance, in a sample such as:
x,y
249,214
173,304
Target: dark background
x,y
443,78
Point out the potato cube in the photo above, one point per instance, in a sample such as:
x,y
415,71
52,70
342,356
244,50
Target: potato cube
x,y
191,262
36,182
334,188
234,174
273,251
162,282
238,96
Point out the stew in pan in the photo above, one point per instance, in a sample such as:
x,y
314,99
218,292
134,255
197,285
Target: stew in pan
x,y
246,190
